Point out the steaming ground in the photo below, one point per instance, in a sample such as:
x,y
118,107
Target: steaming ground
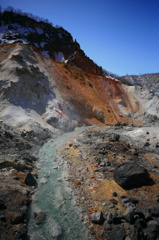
x,y
28,97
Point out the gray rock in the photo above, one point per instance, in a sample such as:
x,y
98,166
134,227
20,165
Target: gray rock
x,y
138,233
39,217
102,164
109,218
30,180
114,201
57,230
107,226
115,137
152,230
117,234
97,218
131,215
154,211
124,200
131,175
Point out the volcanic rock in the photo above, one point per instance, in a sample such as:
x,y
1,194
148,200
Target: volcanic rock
x,y
152,230
154,211
138,233
97,217
131,175
115,137
30,180
157,145
117,233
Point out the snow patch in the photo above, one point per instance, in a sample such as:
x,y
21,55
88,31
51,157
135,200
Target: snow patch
x,y
45,54
42,44
59,57
37,45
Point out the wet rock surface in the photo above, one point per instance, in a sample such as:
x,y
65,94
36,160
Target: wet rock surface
x,y
57,230
108,209
39,217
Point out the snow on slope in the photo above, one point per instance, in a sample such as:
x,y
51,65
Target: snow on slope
x,y
60,57
11,33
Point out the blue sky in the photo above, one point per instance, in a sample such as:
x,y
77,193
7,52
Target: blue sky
x,y
122,36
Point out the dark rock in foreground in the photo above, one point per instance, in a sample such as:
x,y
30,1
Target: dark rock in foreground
x,y
30,180
131,175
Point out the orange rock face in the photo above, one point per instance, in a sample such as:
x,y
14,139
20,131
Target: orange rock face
x,y
95,99
98,100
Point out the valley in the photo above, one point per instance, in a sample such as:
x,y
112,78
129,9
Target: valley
x,y
79,152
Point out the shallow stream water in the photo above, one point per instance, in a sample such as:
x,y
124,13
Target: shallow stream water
x,y
54,197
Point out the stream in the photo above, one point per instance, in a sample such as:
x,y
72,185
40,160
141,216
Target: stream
x,y
54,197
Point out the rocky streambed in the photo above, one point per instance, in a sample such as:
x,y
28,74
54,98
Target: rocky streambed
x,y
54,213
88,184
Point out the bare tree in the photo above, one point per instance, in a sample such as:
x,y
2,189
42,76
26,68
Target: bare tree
x,y
1,9
10,9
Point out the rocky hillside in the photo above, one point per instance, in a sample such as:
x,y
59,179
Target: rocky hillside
x,y
46,77
36,89
53,42
149,81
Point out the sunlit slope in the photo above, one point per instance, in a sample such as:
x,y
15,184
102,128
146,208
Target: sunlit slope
x,y
59,95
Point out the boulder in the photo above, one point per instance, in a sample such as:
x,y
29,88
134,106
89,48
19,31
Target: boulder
x,y
131,175
97,218
30,180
